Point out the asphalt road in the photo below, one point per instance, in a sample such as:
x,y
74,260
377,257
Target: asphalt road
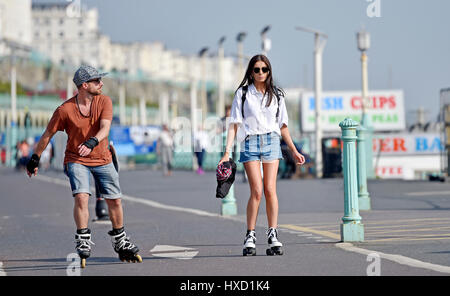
x,y
177,225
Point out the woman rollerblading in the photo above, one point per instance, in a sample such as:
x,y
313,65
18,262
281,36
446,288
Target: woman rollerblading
x,y
259,119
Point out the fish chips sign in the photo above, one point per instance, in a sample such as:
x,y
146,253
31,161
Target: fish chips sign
x,y
386,110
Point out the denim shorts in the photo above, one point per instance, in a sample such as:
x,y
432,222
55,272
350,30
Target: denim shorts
x,y
105,176
265,148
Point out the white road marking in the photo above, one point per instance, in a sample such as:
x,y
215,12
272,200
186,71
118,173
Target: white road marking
x,y
167,251
2,272
345,246
427,193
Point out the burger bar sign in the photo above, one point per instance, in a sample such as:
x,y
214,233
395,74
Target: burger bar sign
x,y
385,110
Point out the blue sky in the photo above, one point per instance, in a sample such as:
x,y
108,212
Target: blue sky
x,y
410,40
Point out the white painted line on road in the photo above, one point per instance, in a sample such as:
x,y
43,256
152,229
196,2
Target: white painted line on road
x,y
167,251
396,258
167,207
427,193
2,272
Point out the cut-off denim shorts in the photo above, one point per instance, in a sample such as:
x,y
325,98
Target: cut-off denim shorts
x,y
105,176
265,148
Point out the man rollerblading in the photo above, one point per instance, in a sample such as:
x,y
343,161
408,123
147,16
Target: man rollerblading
x,y
86,118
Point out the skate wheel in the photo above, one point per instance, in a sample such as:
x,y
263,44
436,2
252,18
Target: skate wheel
x,y
269,252
139,258
83,263
249,251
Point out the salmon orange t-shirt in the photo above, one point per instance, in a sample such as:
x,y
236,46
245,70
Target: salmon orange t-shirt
x,y
79,128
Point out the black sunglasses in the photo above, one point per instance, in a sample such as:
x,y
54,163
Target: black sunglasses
x,y
264,69
97,80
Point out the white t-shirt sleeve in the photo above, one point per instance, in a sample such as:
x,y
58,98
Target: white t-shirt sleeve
x,y
236,107
283,116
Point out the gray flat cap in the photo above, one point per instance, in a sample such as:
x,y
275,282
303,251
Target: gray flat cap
x,y
86,73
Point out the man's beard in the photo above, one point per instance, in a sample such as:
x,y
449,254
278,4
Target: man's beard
x,y
96,92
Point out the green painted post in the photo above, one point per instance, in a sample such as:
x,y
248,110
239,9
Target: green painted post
x,y
11,142
229,207
363,194
351,229
366,123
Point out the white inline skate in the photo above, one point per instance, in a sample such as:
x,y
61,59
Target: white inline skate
x,y
274,244
249,243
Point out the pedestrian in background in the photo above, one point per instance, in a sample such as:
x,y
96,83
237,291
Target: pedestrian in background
x,y
258,118
200,145
164,148
22,154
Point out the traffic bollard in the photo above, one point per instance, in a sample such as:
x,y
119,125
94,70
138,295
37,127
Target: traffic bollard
x,y
351,229
229,206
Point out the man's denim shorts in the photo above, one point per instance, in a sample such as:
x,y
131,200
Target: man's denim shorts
x,y
105,176
265,148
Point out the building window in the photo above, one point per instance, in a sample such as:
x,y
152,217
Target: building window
x,y
61,21
61,34
80,34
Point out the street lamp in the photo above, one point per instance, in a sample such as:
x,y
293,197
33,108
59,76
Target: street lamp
x,y
240,39
220,107
319,45
363,42
266,42
202,55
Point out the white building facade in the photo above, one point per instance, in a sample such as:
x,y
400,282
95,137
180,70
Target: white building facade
x,y
69,34
65,34
14,29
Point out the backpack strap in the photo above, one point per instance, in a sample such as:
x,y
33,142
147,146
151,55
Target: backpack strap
x,y
244,97
278,102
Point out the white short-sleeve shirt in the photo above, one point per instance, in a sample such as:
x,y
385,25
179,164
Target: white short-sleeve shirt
x,y
258,119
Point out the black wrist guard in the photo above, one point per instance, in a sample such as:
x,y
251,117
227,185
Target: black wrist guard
x,y
33,163
91,143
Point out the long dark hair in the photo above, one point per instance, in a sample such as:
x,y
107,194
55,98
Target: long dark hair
x,y
271,89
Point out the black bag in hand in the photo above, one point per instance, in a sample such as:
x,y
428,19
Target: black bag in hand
x,y
223,186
